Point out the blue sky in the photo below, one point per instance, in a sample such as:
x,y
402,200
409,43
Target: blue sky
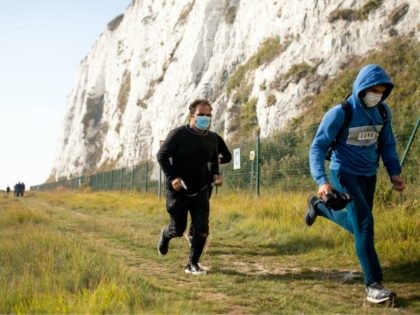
x,y
41,45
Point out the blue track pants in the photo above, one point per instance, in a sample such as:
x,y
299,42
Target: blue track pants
x,y
357,218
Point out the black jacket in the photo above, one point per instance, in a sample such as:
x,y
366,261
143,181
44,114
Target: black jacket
x,y
190,155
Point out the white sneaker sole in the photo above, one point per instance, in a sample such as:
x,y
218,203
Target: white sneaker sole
x,y
377,301
201,273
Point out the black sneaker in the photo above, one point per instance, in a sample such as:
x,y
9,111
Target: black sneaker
x,y
376,293
311,212
194,269
163,244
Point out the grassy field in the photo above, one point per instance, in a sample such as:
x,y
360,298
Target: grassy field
x,y
64,252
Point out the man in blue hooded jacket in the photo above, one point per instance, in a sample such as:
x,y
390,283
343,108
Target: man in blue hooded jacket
x,y
353,168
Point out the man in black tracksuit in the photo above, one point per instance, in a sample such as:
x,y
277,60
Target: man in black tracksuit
x,y
224,157
188,157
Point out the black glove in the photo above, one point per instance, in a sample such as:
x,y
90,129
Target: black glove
x,y
337,200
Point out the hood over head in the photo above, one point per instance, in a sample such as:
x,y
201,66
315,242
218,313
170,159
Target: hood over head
x,y
370,76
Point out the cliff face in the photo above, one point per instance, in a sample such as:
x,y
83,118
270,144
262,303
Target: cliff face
x,y
254,56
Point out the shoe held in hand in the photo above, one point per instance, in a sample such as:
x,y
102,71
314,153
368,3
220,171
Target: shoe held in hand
x,y
337,200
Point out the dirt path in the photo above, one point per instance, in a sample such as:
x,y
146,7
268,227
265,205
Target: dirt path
x,y
132,241
129,239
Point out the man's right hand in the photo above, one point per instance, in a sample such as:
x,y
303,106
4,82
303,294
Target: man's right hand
x,y
177,184
398,183
324,190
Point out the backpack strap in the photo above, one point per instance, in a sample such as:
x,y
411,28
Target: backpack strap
x,y
347,118
384,115
348,114
382,111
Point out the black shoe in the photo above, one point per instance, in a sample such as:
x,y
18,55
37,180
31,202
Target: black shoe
x,y
376,293
194,269
311,212
163,244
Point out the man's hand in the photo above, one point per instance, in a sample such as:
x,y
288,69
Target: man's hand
x,y
324,190
217,180
398,183
177,184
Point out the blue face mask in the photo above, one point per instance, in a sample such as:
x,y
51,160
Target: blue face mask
x,y
202,122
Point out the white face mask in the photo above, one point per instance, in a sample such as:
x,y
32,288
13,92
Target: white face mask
x,y
372,99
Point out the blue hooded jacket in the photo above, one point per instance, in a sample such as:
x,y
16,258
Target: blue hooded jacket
x,y
356,151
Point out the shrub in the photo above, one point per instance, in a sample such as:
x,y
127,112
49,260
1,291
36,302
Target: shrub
x,y
114,23
271,100
294,75
267,51
230,15
298,71
185,13
355,15
124,92
398,13
242,93
249,120
94,110
369,6
343,14
236,78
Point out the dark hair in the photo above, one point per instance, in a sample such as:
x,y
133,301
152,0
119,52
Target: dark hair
x,y
193,105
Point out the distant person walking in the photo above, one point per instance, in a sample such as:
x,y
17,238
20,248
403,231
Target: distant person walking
x,y
353,168
22,189
7,190
19,189
16,190
185,157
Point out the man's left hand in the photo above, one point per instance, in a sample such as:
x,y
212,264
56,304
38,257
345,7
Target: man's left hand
x,y
217,180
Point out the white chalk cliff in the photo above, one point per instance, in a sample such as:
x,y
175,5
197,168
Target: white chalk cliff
x,y
149,63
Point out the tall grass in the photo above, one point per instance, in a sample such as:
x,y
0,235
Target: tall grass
x,y
43,269
68,252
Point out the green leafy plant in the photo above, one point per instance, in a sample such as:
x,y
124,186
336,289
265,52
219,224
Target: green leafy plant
x,y
294,75
249,121
267,51
355,14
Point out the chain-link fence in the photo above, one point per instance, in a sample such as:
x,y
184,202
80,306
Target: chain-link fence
x,y
275,165
256,167
137,178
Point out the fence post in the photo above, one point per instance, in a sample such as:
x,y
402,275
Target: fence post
x,y
160,183
252,174
257,174
407,149
132,178
145,175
